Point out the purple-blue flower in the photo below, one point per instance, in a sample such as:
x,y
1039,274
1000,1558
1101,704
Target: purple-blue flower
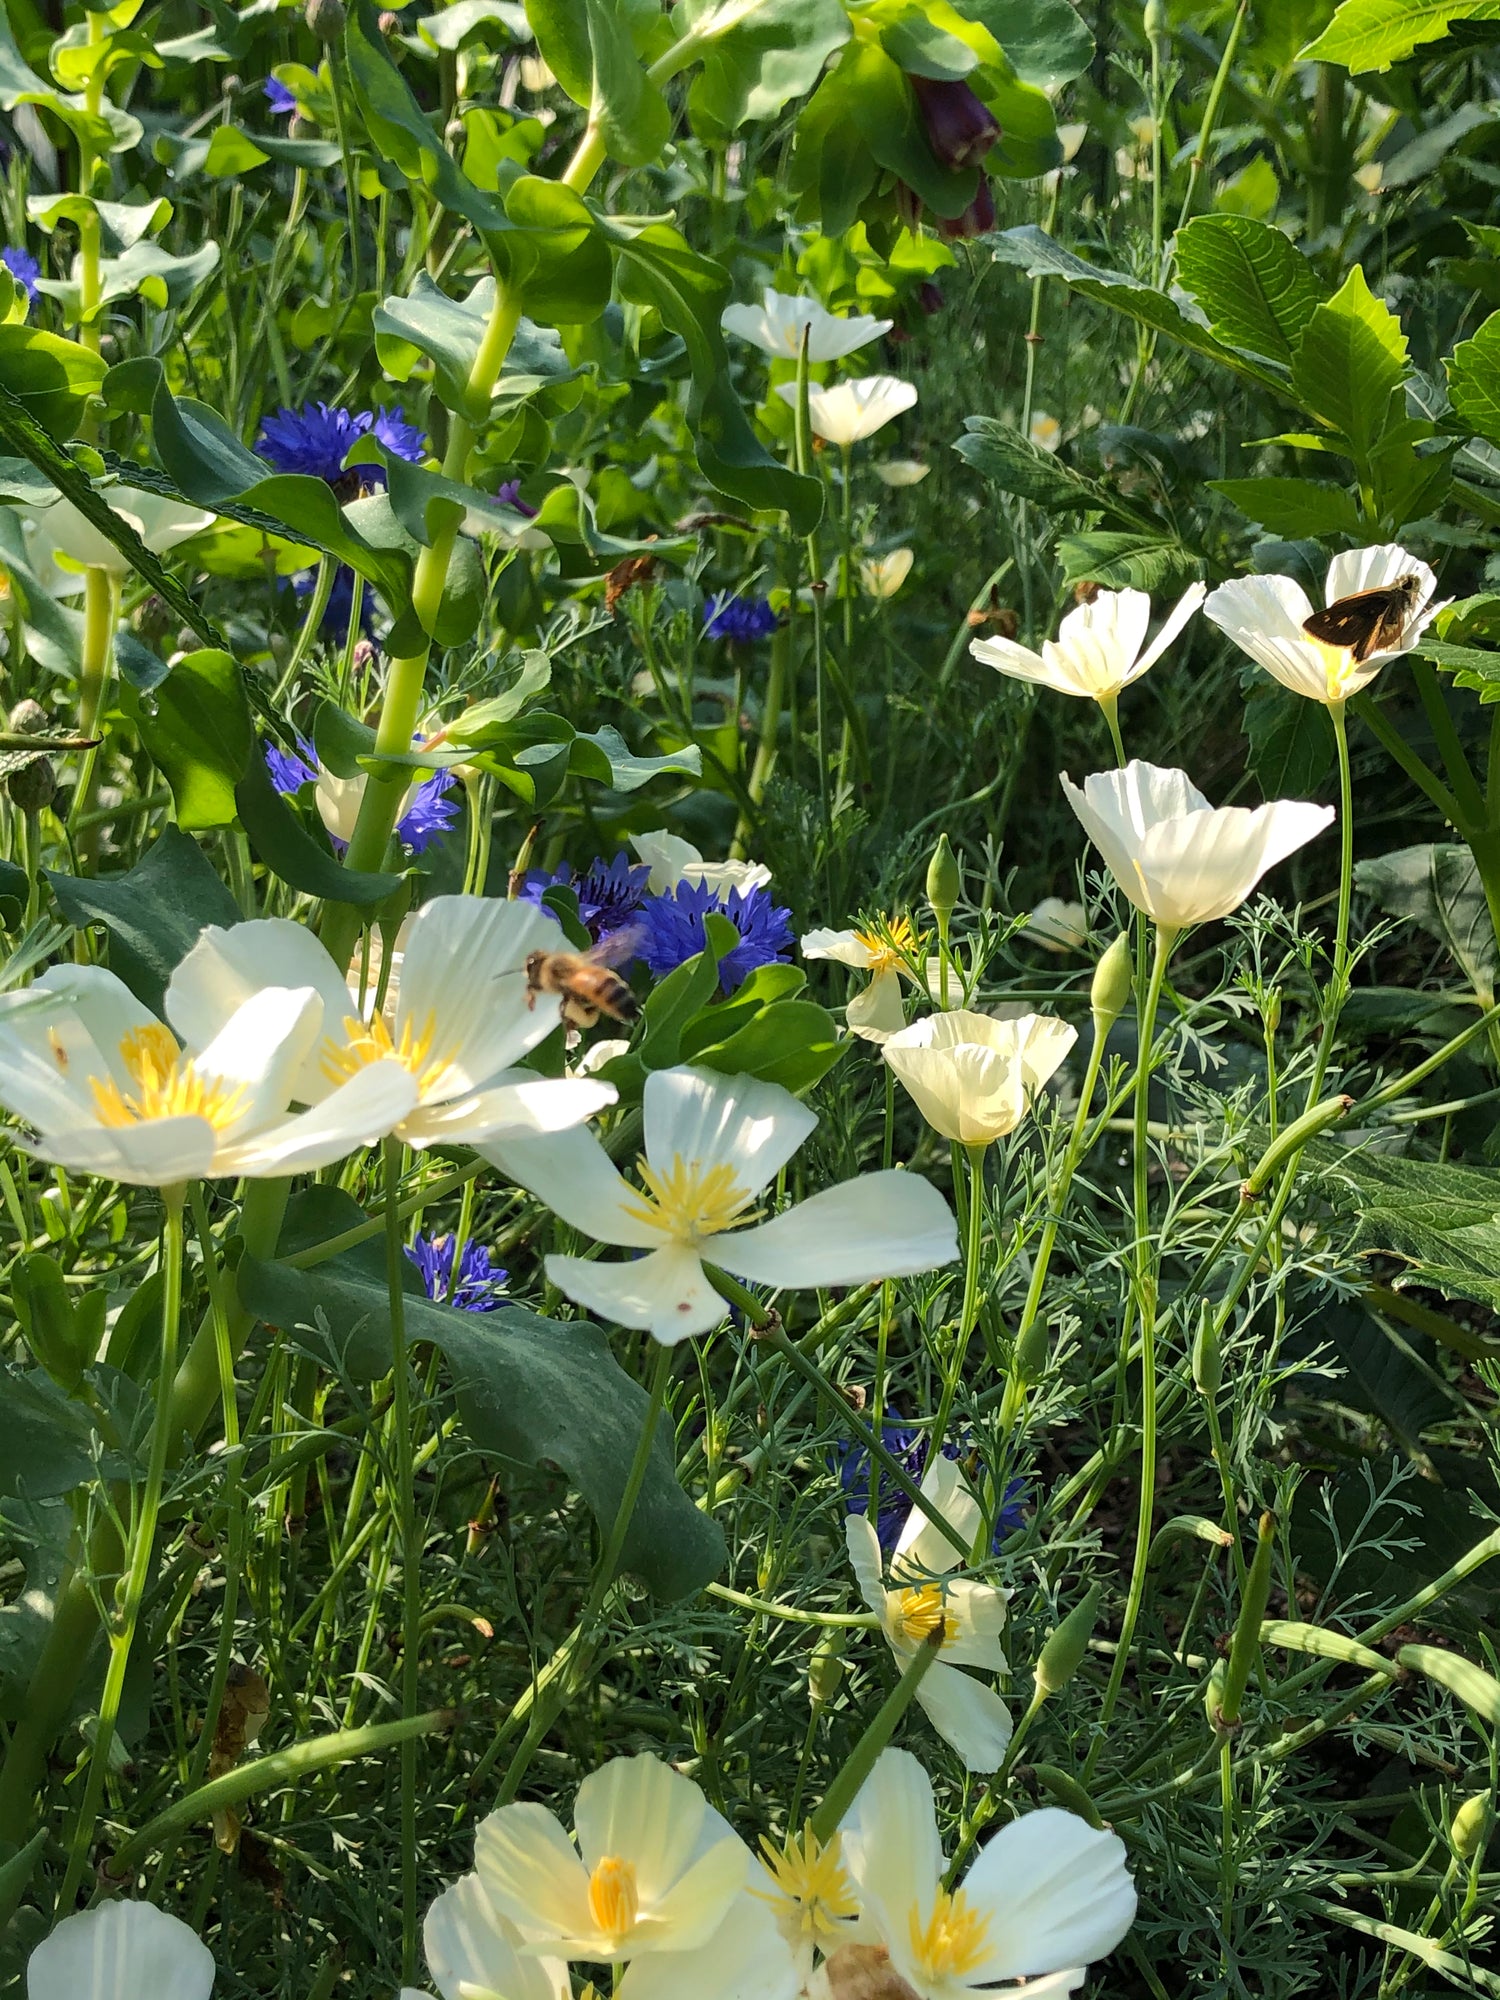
x,y
673,930
292,769
609,892
23,267
908,1446
340,602
726,616
278,97
480,1285
317,439
431,813
508,494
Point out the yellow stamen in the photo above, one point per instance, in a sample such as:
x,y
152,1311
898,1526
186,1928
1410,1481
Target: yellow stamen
x,y
164,1084
918,1613
888,948
691,1201
953,1941
614,1901
372,1042
814,1879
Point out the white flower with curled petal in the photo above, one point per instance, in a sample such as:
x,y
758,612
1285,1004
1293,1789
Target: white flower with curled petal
x,y
777,324
1100,646
472,1947
1266,618
975,1076
461,1018
108,1089
848,412
63,542
713,1145
673,859
921,1596
876,1013
1046,1896
882,576
121,1951
1178,858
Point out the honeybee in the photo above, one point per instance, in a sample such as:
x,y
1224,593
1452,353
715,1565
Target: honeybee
x,y
1370,621
586,981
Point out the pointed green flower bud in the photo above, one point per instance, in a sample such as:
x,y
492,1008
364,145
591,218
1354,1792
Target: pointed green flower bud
x,y
1113,977
1213,1693
1208,1360
326,19
825,1670
944,883
1472,1825
1062,1655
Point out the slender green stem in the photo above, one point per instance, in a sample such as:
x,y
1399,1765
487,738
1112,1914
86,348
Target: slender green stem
x,y
1211,111
845,1788
311,625
402,1446
969,1311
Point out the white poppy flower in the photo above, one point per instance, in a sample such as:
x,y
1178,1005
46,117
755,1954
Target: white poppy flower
x,y
847,412
673,860
462,1017
809,1892
974,1076
1058,926
1071,137
901,471
876,1013
883,576
1177,857
108,1089
775,326
1045,432
713,1144
121,1951
1265,615
60,530
473,1947
1100,646
747,1958
651,1871
965,1712
1047,1895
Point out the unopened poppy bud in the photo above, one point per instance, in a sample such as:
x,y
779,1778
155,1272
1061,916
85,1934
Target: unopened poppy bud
x,y
1273,1010
389,23
1112,981
326,19
944,883
961,128
825,1670
1208,1359
977,219
1472,1823
1156,21
29,718
1062,1655
32,785
1213,1693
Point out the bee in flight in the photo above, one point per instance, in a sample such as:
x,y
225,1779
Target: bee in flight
x,y
586,981
1371,621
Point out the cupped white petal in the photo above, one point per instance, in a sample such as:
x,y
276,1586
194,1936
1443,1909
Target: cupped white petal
x,y
259,1052
519,1104
1057,1891
891,1845
878,1011
226,967
702,1117
1203,867
531,1873
1176,619
864,1559
973,1618
473,1947
338,801
672,859
843,947
121,1951
641,1808
882,1225
776,326
158,1152
1354,570
1008,656
665,1294
1264,616
369,1106
690,1912
571,1172
968,1714
463,982
850,411
1101,639
922,1549
747,1958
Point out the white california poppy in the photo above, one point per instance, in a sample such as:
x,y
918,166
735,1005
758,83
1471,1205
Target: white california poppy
x,y
975,1076
652,1871
901,471
61,531
1057,925
1178,858
747,1958
1047,1895
339,799
108,1089
121,1951
921,1596
1045,432
673,859
809,1892
876,1013
473,1947
883,576
847,412
776,327
1100,646
1265,617
460,1018
713,1145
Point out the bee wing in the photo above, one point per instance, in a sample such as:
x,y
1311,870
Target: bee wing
x,y
619,947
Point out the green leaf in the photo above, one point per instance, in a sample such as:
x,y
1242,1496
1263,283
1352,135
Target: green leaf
x,y
1474,380
1352,362
1372,34
793,1042
47,1439
1442,1221
54,634
153,914
1126,561
626,107
466,20
473,725
450,332
879,99
292,854
1044,39
530,1390
200,454
1018,466
1291,745
145,269
1256,288
121,224
1438,888
198,731
768,55
605,755
51,378
1476,667
1294,507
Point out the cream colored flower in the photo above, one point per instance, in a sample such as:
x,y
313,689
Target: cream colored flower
x,y
876,1013
1058,926
848,412
121,1951
673,860
883,576
974,1076
1071,137
808,1890
62,542
1173,854
1045,432
901,471
1100,646
777,324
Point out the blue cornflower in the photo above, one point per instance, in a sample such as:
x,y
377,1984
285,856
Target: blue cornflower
x,y
726,616
23,267
674,930
292,769
908,1446
340,602
317,439
278,97
609,892
480,1285
431,813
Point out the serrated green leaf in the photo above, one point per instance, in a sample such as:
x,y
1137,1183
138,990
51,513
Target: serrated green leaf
x,y
1291,744
1438,887
1442,1221
1474,379
1351,362
1127,561
1369,35
1256,288
1294,507
1018,466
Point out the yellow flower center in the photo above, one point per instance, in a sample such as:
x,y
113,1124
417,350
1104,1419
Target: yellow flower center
x,y
372,1042
814,1879
953,1941
614,1901
918,1613
887,948
163,1084
691,1201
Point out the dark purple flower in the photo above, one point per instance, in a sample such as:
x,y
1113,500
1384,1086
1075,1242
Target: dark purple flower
x,y
977,219
908,1446
609,892
431,813
292,769
726,616
961,128
23,267
279,99
340,603
480,1286
318,438
508,494
673,930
